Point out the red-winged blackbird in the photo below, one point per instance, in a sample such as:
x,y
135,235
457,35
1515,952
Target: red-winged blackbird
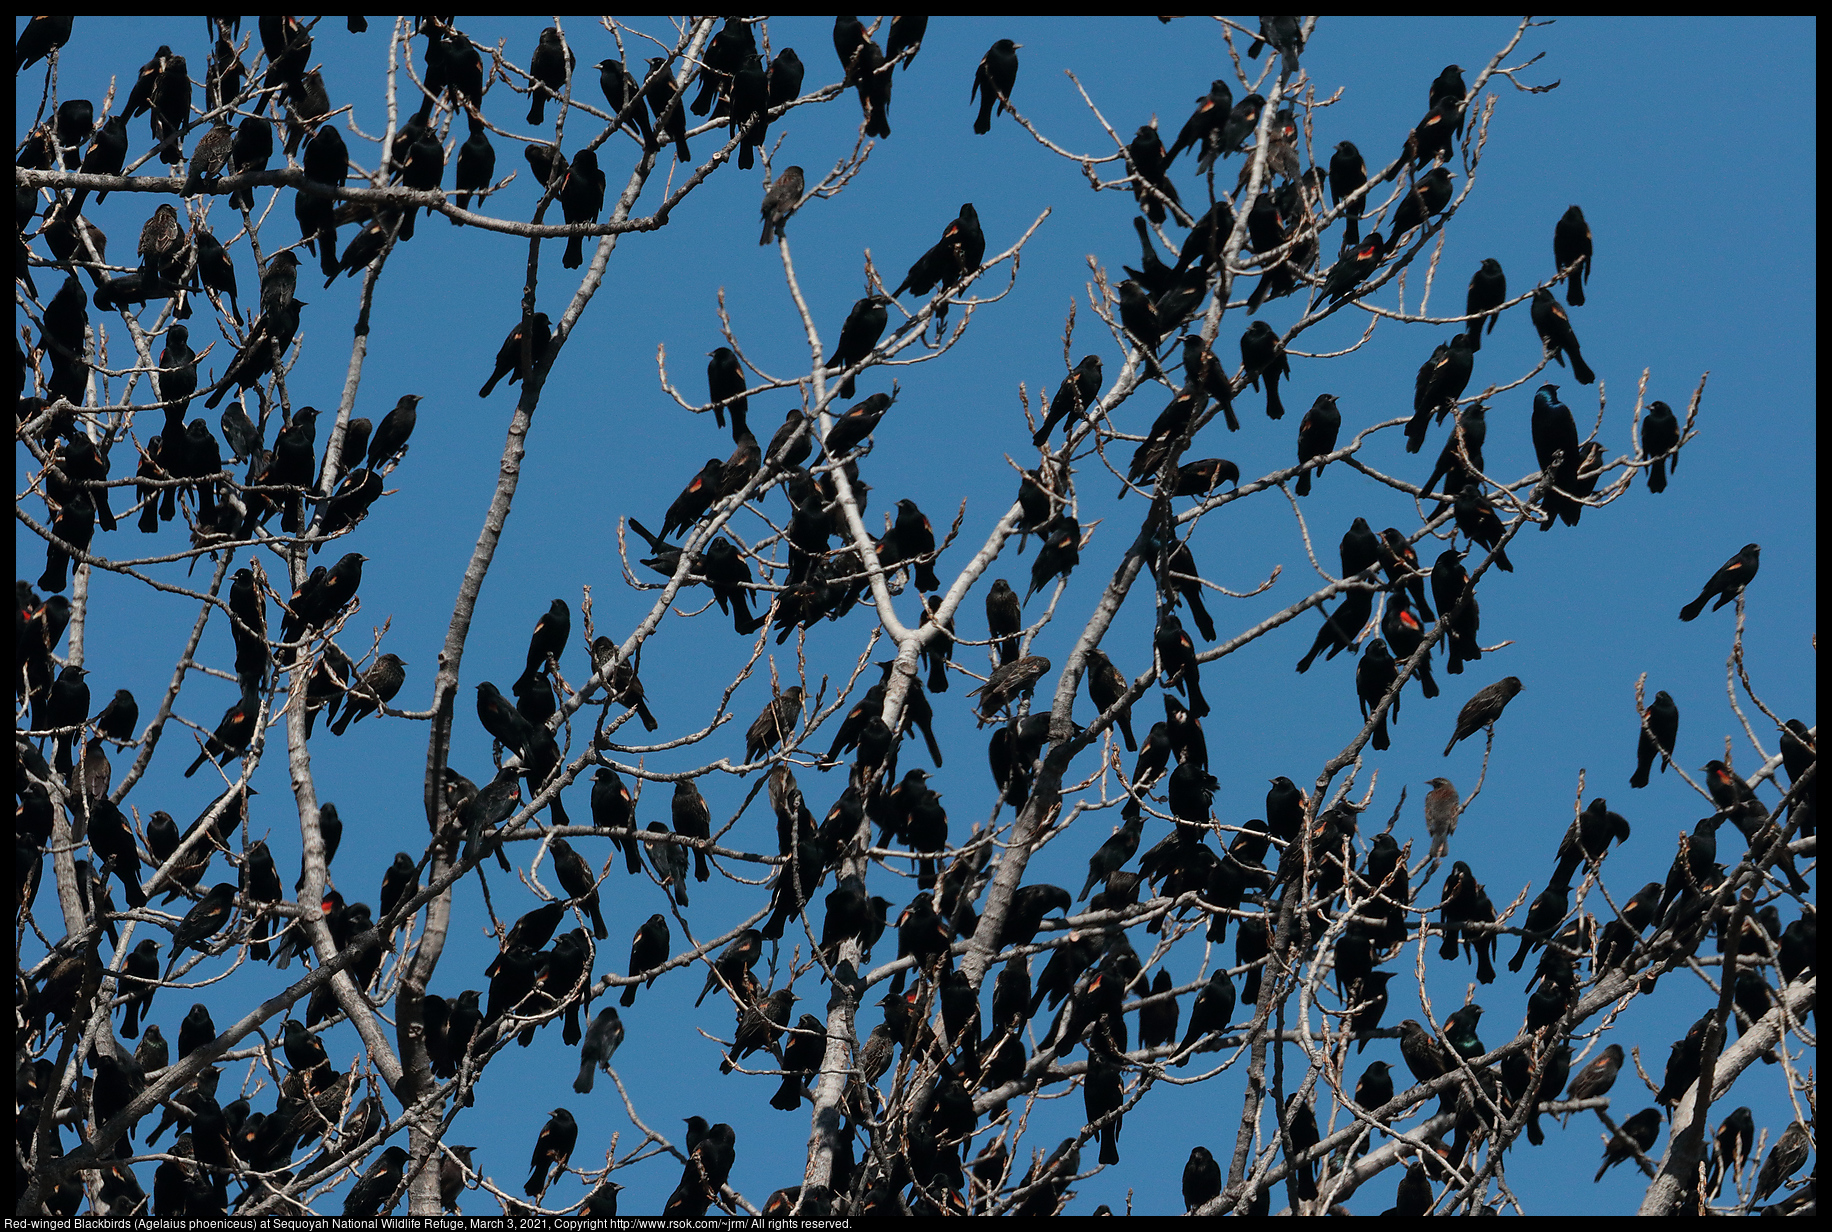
x,y
1106,685
1483,708
1340,628
1571,250
1374,675
863,327
601,1041
1348,171
1242,119
1467,435
1435,135
1177,658
779,202
1057,558
476,162
575,877
1007,682
1428,196
1317,433
1441,381
993,81
648,950
1727,583
1263,358
774,725
1790,1151
232,734
1140,319
851,429
665,99
1149,166
1488,290
548,67
760,1027
956,254
1659,441
204,920
1596,1078
1004,619
1477,519
376,688
1441,811
1207,120
581,196
1659,732
553,1146
1640,1130
613,810
1556,336
268,342
1285,34
732,968
725,387
694,819
509,360
1210,1012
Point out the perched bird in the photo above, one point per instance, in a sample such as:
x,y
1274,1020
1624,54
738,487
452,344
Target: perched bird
x,y
1571,252
1636,1134
774,724
549,67
1488,290
1727,583
601,1041
1441,808
779,202
1483,708
552,1148
1597,1077
1784,1160
993,80
1007,682
1348,172
203,921
1317,433
1659,443
377,1185
1440,382
1556,336
510,361
863,327
1374,675
1262,356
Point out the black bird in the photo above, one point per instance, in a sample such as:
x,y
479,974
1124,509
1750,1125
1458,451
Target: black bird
x,y
1790,1151
509,361
1106,686
1140,319
666,100
1348,171
204,920
1488,290
993,81
549,67
1482,709
1659,443
1639,1130
377,1184
1004,619
850,430
476,163
1556,336
391,435
1263,357
575,876
601,1041
1477,519
1571,251
552,1147
1440,382
612,809
648,950
1211,1012
1727,583
581,196
863,327
1205,123
1374,675
1317,433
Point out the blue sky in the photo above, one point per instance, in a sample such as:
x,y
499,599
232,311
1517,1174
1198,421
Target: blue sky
x,y
1700,194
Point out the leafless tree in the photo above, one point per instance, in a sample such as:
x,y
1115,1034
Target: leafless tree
x,y
929,1114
